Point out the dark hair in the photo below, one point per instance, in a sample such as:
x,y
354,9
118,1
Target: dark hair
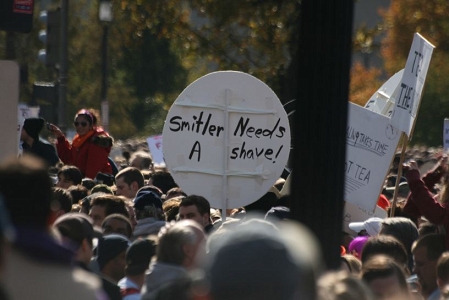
x,y
113,204
174,192
131,174
200,202
163,180
380,266
434,243
63,198
121,218
26,188
78,193
443,267
171,208
71,173
385,245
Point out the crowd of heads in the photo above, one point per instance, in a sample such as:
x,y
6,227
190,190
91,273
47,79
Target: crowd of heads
x,y
141,235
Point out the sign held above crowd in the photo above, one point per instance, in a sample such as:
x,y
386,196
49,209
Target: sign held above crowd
x,y
227,138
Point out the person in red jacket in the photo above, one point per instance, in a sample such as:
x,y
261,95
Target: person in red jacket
x,y
422,201
90,147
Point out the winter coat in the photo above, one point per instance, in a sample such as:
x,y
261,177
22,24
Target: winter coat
x,y
91,157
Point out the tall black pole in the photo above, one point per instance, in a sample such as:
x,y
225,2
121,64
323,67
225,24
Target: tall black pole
x,y
63,65
320,121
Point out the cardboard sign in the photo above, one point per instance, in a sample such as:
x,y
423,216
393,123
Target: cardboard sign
x,y
9,98
227,138
352,213
446,135
382,101
155,145
408,95
370,145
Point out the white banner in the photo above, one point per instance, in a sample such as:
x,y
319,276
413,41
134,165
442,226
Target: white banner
x,y
370,145
446,135
409,92
155,146
227,138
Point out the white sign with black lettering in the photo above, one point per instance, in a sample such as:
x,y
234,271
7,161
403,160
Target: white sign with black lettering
x,y
410,90
370,145
226,138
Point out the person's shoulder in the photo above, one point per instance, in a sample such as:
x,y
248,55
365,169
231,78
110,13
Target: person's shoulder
x,y
102,138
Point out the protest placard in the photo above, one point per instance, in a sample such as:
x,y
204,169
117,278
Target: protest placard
x,y
155,145
408,95
226,138
9,97
370,145
382,101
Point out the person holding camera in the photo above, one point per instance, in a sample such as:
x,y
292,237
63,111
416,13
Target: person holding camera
x,y
31,144
90,147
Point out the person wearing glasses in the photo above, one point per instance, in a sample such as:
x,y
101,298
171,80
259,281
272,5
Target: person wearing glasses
x,y
90,147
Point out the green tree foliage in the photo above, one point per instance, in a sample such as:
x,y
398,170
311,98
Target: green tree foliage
x,y
431,20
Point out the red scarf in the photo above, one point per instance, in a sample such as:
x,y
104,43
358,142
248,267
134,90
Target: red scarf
x,y
78,140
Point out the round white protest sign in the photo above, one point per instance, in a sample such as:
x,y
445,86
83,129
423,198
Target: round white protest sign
x,y
226,138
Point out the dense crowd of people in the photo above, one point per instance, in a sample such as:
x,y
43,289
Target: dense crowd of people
x,y
102,222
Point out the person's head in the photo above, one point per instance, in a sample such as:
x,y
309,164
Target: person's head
x,y
105,205
111,256
174,192
258,260
195,208
385,278
78,193
370,227
117,224
404,230
26,187
69,176
77,233
163,180
443,270
101,188
180,243
427,228
62,201
171,208
356,246
31,129
341,285
85,120
141,160
128,181
351,264
426,252
148,204
139,255
388,246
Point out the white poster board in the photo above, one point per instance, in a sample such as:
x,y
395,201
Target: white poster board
x,y
226,138
410,90
155,145
352,213
370,145
446,135
382,101
9,99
